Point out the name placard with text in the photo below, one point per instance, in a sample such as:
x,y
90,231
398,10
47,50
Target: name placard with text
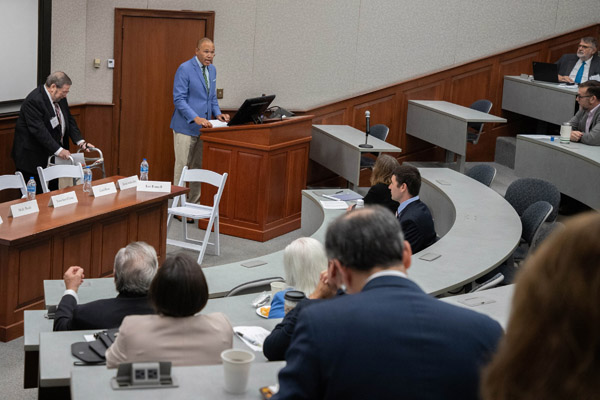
x,y
128,183
154,186
103,190
63,199
26,208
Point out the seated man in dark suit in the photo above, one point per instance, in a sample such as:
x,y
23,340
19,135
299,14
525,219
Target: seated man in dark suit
x,y
414,215
586,122
385,339
134,268
582,66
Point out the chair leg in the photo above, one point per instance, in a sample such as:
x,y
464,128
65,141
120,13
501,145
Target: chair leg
x,y
217,242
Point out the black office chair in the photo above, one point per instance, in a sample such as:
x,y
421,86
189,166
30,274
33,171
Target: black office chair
x,y
482,173
474,128
525,191
379,131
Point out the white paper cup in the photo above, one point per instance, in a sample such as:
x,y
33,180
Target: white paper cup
x,y
277,287
565,133
236,365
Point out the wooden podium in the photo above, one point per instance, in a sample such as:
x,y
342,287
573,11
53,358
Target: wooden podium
x,y
267,166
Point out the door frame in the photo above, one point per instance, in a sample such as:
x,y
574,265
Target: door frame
x,y
120,14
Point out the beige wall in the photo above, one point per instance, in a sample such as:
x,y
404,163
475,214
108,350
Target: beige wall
x,y
311,52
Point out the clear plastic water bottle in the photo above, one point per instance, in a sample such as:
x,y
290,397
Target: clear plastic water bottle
x,y
87,180
31,188
360,203
144,170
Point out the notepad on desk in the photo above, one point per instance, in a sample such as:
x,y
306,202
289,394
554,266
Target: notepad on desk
x,y
334,205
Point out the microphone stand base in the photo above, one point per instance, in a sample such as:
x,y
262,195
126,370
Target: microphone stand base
x,y
365,146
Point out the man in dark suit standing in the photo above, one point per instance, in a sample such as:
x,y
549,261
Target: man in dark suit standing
x,y
134,268
414,215
44,127
580,67
386,339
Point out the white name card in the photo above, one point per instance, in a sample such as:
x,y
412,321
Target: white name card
x,y
103,190
62,199
128,183
29,207
154,186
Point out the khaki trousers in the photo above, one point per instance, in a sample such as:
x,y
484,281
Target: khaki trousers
x,y
188,151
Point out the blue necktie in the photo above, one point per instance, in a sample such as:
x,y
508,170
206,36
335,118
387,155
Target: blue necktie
x,y
580,73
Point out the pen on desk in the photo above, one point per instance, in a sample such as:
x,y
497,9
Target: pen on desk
x,y
330,197
341,191
251,341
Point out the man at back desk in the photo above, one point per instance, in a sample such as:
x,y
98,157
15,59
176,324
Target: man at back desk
x,y
135,267
586,122
577,68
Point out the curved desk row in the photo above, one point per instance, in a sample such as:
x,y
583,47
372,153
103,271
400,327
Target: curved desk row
x,y
478,229
574,168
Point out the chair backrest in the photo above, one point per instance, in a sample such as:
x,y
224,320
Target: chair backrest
x,y
15,181
379,131
251,287
482,105
533,218
525,191
204,176
482,173
58,171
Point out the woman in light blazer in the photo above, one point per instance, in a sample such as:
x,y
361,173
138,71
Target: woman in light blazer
x,y
177,333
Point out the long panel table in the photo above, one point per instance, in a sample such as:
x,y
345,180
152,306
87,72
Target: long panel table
x,y
336,148
550,102
573,168
495,303
444,124
89,233
479,231
202,382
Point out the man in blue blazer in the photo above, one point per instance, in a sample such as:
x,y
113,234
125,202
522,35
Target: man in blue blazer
x,y
570,64
386,339
195,99
414,215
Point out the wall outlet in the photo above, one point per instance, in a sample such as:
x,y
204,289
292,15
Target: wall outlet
x,y
96,63
219,93
111,63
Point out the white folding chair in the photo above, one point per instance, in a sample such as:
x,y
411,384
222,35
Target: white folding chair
x,y
15,181
59,171
186,210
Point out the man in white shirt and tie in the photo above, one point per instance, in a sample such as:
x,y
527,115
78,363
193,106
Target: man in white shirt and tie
x,y
580,67
586,122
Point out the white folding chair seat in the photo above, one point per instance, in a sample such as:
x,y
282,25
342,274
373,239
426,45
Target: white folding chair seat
x,y
15,181
182,208
59,171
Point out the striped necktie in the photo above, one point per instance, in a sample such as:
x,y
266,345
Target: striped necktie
x,y
205,78
57,111
579,75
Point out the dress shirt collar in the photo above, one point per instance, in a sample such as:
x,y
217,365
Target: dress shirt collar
x,y
49,97
386,272
593,111
586,69
406,203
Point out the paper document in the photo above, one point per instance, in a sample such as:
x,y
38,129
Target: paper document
x,y
334,205
252,336
347,196
217,124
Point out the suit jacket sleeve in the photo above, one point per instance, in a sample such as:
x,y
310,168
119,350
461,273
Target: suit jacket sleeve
x,y
181,93
565,64
278,341
411,232
301,377
63,318
593,136
35,120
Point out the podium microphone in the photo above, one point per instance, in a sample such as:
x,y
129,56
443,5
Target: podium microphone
x,y
368,130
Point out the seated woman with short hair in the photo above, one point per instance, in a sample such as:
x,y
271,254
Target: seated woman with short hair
x,y
178,292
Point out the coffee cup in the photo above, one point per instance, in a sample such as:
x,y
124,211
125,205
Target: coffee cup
x,y
236,366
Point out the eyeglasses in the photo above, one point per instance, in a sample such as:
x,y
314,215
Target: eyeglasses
x,y
578,96
584,46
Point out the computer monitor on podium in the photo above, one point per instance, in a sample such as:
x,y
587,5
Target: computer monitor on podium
x,y
252,110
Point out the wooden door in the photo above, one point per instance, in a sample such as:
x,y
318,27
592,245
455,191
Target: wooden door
x,y
149,46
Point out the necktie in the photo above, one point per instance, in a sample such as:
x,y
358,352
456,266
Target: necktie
x,y
580,73
57,111
205,78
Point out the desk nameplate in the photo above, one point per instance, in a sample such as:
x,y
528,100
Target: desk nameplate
x,y
105,189
154,186
21,209
128,183
63,199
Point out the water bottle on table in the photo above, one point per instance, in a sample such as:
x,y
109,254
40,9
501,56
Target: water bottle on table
x,y
31,188
144,170
87,180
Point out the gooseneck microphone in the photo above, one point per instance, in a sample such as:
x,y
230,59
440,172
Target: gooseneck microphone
x,y
367,131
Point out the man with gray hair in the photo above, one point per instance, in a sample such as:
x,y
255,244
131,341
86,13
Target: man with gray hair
x,y
44,127
134,268
580,67
385,339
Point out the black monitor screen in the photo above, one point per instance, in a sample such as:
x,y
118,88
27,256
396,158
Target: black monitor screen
x,y
252,110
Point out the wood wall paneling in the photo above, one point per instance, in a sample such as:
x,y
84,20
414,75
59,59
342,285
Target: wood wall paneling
x,y
247,197
296,178
34,261
114,235
276,187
